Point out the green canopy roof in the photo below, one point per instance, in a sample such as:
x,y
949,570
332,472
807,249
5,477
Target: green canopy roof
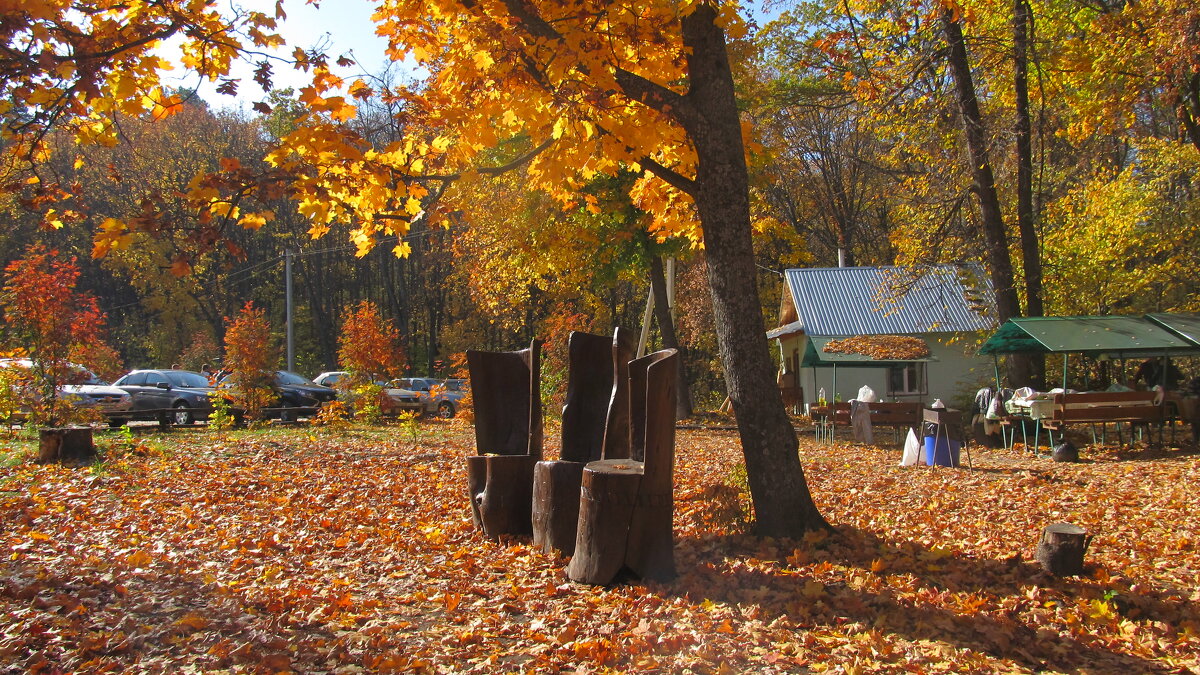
x,y
1186,326
816,356
1115,336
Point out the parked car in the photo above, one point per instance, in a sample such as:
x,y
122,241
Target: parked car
x,y
297,391
292,391
178,396
398,399
436,397
85,390
329,378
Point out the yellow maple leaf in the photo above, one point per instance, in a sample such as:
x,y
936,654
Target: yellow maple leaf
x,y
483,60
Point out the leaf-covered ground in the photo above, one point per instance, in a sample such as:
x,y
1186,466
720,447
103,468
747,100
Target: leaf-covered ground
x,y
319,551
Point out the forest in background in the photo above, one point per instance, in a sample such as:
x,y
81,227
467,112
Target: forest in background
x,y
1084,117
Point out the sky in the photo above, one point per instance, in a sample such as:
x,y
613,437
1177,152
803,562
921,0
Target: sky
x,y
344,26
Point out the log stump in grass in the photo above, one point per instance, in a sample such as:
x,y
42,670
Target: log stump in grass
x,y
66,445
1061,549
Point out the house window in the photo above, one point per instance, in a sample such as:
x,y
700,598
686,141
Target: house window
x,y
906,379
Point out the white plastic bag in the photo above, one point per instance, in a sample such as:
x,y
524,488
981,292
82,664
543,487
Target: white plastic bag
x,y
995,409
912,450
867,395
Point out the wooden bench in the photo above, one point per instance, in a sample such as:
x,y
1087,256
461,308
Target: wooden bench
x,y
1136,408
896,415
899,416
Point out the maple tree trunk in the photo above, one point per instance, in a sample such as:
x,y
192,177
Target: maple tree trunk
x,y
782,503
666,326
984,186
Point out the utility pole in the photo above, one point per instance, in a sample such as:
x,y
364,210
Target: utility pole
x,y
291,330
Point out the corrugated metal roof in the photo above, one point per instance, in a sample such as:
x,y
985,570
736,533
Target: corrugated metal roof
x,y
890,300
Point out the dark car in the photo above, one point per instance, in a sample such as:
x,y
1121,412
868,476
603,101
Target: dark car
x,y
297,391
176,396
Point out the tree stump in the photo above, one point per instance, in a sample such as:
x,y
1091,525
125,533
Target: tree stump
x,y
556,487
650,551
606,505
66,444
1061,549
501,491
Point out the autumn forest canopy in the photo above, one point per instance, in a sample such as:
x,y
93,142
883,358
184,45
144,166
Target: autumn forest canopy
x,y
523,181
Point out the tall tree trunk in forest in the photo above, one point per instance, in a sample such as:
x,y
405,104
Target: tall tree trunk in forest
x,y
782,503
1031,256
984,185
666,326
316,292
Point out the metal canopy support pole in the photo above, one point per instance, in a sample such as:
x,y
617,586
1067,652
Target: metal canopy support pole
x,y
291,328
996,371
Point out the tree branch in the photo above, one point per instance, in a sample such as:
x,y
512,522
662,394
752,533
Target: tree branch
x,y
488,170
671,176
654,95
530,20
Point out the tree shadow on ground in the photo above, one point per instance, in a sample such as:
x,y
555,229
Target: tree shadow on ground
x,y
96,618
904,608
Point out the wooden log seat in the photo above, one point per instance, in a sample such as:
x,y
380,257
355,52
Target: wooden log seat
x,y
594,397
506,388
626,505
66,444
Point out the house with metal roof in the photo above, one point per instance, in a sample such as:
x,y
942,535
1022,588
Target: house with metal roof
x,y
909,335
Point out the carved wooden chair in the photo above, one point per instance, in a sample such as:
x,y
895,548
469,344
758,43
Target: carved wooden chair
x,y
592,390
626,503
506,389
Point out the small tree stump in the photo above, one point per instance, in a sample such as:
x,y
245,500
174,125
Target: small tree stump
x,y
556,505
606,505
1061,549
66,444
500,488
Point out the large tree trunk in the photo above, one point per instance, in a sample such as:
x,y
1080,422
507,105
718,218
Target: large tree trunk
x,y
666,326
1031,252
984,187
782,503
